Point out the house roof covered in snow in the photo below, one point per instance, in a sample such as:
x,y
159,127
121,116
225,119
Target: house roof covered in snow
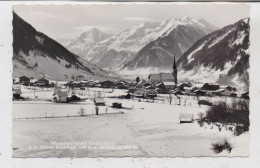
x,y
168,83
99,100
154,77
17,91
62,94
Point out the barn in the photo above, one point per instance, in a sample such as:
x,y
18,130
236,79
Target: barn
x,y
99,102
24,80
60,97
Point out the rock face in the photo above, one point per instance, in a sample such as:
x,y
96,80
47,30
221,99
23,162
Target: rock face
x,y
37,55
222,57
116,51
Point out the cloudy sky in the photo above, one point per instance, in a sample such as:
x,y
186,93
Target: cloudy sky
x,y
68,21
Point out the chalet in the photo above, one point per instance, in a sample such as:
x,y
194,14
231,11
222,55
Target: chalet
x,y
131,89
226,90
197,86
79,78
60,97
91,84
200,92
223,92
141,93
121,86
17,93
42,82
99,102
151,93
211,87
140,85
188,89
98,85
177,92
149,87
107,84
24,80
182,85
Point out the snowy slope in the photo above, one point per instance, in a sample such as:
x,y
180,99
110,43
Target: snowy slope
x,y
113,52
36,55
178,36
222,56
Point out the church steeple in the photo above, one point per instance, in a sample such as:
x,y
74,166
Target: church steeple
x,y
174,72
174,64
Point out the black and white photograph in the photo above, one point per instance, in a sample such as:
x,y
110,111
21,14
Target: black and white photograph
x,y
130,80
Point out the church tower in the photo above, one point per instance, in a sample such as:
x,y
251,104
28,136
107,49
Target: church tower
x,y
174,71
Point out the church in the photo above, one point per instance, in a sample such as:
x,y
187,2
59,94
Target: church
x,y
168,79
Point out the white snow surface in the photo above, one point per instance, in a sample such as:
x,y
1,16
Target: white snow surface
x,y
51,69
150,129
218,39
189,57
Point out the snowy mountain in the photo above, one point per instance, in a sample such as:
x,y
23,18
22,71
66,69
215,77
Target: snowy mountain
x,y
114,52
37,55
85,41
178,35
222,57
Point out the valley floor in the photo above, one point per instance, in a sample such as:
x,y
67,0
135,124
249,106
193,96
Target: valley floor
x,y
140,129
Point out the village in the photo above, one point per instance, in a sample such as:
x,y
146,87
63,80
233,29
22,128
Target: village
x,y
161,83
132,108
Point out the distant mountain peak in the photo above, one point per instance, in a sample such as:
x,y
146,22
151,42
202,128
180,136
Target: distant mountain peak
x,y
186,19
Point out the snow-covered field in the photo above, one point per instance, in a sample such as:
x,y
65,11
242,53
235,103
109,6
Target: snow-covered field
x,y
144,129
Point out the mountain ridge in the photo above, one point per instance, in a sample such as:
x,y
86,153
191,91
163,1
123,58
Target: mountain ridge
x,y
122,47
222,56
36,55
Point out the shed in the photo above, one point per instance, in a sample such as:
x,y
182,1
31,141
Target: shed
x,y
99,102
17,93
186,118
117,105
